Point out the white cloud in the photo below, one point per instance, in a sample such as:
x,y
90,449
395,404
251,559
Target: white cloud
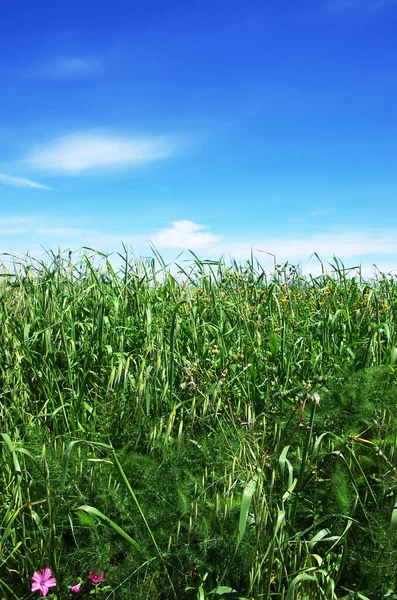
x,y
87,150
367,270
21,182
77,237
12,230
364,248
346,9
365,6
354,243
15,225
354,248
69,66
15,220
183,234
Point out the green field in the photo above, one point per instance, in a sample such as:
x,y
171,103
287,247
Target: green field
x,y
205,431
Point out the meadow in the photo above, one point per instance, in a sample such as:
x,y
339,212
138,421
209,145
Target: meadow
x,y
201,432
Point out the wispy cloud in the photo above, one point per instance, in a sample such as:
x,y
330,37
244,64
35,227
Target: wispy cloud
x,y
363,6
43,231
64,67
183,234
354,247
352,9
357,244
16,220
22,182
15,225
89,150
363,249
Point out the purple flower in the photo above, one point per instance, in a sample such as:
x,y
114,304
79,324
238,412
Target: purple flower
x,y
43,581
96,578
76,588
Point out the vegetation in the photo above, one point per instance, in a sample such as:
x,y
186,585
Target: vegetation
x,y
213,433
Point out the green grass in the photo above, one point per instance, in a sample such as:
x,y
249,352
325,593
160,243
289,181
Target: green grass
x,y
219,432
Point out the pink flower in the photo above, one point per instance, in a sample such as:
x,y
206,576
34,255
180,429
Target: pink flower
x,y
96,578
43,581
76,588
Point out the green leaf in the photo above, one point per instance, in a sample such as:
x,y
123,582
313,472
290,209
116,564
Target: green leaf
x,y
298,579
393,522
228,592
200,593
11,447
317,538
244,509
99,515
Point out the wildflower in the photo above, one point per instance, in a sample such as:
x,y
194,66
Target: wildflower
x,y
96,578
316,398
76,588
43,581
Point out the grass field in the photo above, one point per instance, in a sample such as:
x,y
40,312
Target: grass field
x,y
218,432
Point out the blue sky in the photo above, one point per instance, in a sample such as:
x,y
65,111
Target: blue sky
x,y
215,126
